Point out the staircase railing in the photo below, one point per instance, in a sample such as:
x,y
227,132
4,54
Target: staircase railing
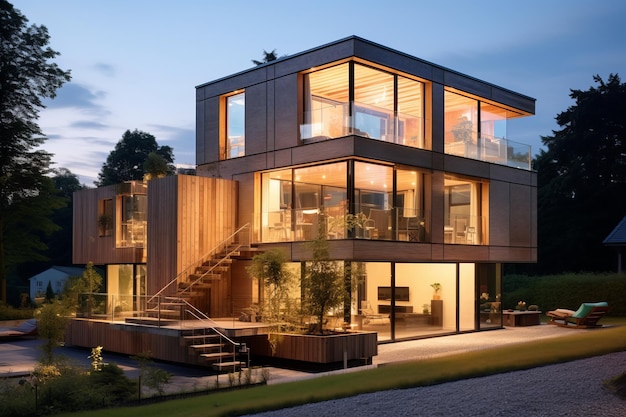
x,y
225,243
199,315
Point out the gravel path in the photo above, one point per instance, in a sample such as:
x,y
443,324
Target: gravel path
x,y
569,389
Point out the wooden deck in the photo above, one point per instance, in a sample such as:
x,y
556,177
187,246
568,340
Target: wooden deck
x,y
164,342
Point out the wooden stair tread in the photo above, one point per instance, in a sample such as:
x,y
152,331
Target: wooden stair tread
x,y
207,346
229,365
216,355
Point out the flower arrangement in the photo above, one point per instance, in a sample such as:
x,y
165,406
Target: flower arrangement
x,y
521,305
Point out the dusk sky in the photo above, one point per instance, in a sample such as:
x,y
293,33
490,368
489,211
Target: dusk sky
x,y
135,63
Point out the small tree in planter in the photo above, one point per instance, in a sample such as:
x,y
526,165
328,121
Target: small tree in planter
x,y
322,281
278,308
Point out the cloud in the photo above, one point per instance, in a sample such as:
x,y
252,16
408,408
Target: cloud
x,y
73,95
105,69
181,139
88,124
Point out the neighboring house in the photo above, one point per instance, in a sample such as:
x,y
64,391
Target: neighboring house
x,y
617,240
56,276
403,165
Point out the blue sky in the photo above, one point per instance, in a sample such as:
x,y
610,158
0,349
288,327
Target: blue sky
x,y
135,63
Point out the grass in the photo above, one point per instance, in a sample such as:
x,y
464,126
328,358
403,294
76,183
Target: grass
x,y
396,376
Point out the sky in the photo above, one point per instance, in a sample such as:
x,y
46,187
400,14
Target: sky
x,y
135,63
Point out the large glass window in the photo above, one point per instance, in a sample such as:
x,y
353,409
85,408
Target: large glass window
x,y
410,112
234,141
384,105
326,97
464,222
373,194
461,125
412,218
294,201
133,225
386,205
373,103
105,217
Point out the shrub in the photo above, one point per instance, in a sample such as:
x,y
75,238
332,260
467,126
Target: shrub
x,y
566,291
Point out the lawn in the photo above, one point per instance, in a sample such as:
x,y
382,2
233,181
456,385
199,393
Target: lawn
x,y
409,374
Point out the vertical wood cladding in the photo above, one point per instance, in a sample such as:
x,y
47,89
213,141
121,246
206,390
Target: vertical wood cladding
x,y
187,217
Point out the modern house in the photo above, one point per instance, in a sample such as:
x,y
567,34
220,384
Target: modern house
x,y
404,166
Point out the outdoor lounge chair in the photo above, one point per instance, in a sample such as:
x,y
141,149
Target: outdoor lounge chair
x,y
586,316
26,329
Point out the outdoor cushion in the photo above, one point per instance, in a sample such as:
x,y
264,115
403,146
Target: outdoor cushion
x,y
585,308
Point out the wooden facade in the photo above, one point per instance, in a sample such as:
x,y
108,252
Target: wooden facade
x,y
188,216
90,244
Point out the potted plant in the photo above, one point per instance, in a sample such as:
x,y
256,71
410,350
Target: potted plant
x,y
437,287
426,309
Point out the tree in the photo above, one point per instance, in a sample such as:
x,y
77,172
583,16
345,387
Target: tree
x,y
127,161
27,75
323,280
267,57
155,166
582,180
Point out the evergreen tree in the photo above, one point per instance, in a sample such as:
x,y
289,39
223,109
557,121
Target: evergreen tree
x,y
267,57
27,194
582,180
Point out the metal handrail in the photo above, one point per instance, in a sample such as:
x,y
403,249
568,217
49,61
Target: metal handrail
x,y
198,263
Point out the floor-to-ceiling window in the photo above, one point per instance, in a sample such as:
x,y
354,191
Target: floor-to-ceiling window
x,y
386,203
412,217
489,277
461,121
353,98
463,201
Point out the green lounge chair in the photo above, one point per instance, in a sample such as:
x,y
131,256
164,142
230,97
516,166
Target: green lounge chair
x,y
586,316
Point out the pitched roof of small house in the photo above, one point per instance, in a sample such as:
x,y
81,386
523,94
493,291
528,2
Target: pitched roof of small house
x,y
618,236
66,270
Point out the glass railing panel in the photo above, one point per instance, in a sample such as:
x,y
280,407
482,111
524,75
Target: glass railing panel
x,y
326,122
277,226
518,155
372,122
410,131
465,230
492,149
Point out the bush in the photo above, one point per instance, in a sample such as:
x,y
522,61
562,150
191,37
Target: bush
x,y
566,291
8,312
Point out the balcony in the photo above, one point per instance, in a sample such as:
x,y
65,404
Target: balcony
x,y
491,149
334,121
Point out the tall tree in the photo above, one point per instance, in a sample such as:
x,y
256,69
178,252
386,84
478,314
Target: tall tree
x,y
27,75
267,57
127,161
582,180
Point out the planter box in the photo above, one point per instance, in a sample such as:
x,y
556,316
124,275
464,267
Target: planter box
x,y
320,348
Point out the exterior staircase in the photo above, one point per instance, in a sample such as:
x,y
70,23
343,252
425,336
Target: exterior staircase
x,y
213,348
182,299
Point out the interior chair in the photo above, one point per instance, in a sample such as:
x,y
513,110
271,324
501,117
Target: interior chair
x,y
413,229
369,317
460,230
586,316
381,220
